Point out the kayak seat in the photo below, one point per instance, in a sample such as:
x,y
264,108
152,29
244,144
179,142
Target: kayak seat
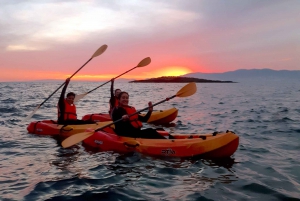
x,y
66,128
131,144
215,133
203,137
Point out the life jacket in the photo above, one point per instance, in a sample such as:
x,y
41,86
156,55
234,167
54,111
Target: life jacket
x,y
70,111
134,119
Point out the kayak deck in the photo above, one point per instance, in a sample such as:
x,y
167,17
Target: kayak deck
x,y
51,128
216,145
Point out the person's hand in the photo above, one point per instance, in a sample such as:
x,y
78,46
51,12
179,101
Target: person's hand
x,y
150,106
68,80
112,80
125,117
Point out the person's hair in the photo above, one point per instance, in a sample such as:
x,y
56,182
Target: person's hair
x,y
71,94
121,93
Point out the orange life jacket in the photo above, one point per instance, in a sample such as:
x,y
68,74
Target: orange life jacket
x,y
134,119
70,111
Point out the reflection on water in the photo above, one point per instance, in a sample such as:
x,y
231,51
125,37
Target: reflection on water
x,y
224,162
65,157
137,171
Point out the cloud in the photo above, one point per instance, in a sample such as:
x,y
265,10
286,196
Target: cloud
x,y
206,35
21,48
33,23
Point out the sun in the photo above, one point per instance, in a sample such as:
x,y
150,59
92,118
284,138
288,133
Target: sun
x,y
173,71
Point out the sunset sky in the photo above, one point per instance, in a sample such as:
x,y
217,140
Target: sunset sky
x,y
51,39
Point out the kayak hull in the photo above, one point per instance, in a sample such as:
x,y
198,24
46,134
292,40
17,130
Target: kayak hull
x,y
217,145
51,128
157,117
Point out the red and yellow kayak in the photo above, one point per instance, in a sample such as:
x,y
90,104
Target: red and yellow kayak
x,y
216,145
50,127
157,117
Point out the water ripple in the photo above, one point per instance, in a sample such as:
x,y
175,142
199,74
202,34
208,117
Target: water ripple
x,y
265,167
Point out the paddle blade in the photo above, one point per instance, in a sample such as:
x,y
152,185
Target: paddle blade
x,y
31,114
144,62
100,51
74,139
80,96
187,90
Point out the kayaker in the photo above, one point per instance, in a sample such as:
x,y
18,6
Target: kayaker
x,y
67,109
131,126
113,101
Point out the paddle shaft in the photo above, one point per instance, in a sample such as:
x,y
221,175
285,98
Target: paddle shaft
x,y
136,113
110,81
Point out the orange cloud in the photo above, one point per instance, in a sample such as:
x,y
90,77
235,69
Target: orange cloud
x,y
172,71
166,71
28,75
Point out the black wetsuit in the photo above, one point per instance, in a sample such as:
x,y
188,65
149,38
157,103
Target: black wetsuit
x,y
125,128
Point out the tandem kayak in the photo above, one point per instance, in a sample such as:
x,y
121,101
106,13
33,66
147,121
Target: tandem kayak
x,y
157,117
50,127
215,145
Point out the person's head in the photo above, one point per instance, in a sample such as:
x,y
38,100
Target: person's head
x,y
70,98
117,92
123,98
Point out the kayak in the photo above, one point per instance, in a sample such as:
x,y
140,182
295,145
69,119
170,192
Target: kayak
x,y
50,127
157,117
214,145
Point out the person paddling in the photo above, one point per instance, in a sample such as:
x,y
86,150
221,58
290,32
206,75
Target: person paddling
x,y
131,126
113,101
67,109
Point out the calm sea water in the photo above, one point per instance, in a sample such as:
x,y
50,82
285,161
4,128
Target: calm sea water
x,y
266,166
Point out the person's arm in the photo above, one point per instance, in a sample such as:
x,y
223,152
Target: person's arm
x,y
61,102
112,96
147,116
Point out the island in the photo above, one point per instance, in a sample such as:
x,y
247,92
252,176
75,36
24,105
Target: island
x,y
178,79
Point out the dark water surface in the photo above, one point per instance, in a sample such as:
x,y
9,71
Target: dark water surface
x,y
266,166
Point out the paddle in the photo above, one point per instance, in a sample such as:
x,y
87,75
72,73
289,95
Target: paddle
x,y
187,90
97,53
142,63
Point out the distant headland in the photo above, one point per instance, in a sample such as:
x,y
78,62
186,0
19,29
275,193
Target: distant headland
x,y
177,79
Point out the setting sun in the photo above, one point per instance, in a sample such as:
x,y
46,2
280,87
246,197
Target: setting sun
x,y
173,71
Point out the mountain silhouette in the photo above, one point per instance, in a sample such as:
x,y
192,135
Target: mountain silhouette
x,y
242,74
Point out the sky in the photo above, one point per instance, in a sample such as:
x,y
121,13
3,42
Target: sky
x,y
51,39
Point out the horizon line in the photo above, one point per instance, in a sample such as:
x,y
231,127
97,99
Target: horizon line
x,y
133,79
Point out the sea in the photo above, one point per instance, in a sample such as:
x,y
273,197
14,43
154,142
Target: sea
x,y
264,113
